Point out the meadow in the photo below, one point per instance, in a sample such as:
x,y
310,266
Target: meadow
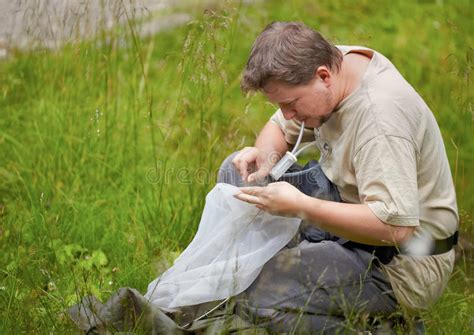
x,y
109,146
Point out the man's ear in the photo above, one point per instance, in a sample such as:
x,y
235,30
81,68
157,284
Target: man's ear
x,y
323,74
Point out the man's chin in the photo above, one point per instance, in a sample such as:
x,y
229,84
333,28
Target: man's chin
x,y
312,123
316,123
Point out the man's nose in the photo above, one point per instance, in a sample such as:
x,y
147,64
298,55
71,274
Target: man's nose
x,y
288,113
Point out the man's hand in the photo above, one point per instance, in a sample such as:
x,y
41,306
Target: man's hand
x,y
253,164
279,198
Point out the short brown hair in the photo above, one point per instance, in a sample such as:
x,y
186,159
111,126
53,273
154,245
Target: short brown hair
x,y
289,52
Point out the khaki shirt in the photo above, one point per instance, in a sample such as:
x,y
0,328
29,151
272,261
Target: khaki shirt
x,y
382,147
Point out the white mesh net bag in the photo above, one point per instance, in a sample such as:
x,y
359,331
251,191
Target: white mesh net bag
x,y
233,242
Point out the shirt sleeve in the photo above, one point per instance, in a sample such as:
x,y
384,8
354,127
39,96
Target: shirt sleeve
x,y
291,128
386,172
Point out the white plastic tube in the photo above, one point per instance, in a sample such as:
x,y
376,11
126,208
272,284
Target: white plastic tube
x,y
290,157
283,165
298,141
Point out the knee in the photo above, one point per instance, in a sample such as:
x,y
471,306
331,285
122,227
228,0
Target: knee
x,y
227,172
277,282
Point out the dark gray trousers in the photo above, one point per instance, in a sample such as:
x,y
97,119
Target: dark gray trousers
x,y
318,286
314,285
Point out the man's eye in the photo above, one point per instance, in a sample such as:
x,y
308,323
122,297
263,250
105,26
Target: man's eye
x,y
288,104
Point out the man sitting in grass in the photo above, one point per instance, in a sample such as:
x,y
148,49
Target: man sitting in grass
x,y
387,244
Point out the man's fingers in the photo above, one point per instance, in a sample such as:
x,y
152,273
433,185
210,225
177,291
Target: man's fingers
x,y
251,199
259,175
250,195
243,169
251,178
242,161
251,190
241,165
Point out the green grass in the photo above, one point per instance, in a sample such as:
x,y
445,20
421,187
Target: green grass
x,y
107,149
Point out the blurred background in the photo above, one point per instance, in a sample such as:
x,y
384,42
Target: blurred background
x,y
115,116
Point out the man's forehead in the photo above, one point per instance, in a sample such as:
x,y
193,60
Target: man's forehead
x,y
276,87
278,92
270,88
